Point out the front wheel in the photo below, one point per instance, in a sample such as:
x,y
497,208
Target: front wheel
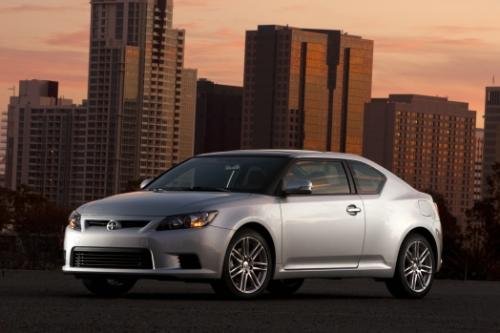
x,y
247,268
108,287
415,269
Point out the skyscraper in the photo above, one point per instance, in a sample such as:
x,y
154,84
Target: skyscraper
x,y
46,138
135,87
478,164
3,146
218,117
305,88
427,141
185,121
491,134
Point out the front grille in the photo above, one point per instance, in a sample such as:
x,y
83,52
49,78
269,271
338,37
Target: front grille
x,y
123,223
109,257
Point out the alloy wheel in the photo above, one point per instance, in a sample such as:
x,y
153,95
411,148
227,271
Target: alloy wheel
x,y
418,268
248,265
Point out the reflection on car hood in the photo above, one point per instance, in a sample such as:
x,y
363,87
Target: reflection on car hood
x,y
151,203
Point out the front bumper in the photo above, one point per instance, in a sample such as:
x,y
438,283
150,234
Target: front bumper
x,y
208,244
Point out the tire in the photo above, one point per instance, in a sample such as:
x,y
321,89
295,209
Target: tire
x,y
109,287
413,277
248,266
284,287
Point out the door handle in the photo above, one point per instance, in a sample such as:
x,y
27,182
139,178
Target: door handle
x,y
353,210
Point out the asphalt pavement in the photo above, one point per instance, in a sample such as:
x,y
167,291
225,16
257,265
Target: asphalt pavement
x,y
37,301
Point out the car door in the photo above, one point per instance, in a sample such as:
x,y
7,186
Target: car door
x,y
323,229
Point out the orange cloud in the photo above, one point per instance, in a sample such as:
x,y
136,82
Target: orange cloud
x,y
193,3
69,68
218,55
457,29
33,8
78,39
456,74
426,44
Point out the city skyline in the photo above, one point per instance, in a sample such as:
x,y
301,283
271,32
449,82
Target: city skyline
x,y
434,54
138,120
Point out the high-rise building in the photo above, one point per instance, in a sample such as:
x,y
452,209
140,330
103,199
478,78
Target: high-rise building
x,y
491,134
185,121
427,141
46,139
134,93
305,88
218,117
3,146
478,164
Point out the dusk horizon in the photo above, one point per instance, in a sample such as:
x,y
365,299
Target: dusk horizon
x,y
431,54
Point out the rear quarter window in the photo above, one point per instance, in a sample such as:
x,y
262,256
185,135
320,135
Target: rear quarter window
x,y
368,180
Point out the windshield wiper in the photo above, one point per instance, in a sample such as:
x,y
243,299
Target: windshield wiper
x,y
209,189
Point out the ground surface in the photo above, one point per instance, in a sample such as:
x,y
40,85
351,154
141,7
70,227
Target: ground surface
x,y
51,302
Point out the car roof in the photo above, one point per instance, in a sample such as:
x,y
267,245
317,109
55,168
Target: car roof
x,y
284,153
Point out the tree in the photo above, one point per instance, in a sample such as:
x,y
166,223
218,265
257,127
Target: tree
x,y
133,185
6,207
482,235
30,213
453,258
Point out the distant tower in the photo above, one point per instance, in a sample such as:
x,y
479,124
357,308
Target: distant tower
x,y
135,74
491,152
305,89
427,141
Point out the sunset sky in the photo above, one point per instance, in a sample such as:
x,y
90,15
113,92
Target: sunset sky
x,y
447,48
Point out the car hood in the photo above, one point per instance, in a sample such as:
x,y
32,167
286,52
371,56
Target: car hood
x,y
150,203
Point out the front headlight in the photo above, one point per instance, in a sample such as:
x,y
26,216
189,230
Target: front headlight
x,y
74,221
187,221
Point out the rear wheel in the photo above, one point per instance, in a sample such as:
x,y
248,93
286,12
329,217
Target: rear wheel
x,y
415,269
247,266
109,287
284,287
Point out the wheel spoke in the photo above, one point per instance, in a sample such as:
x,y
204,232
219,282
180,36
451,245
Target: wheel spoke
x,y
408,270
246,246
243,283
235,272
409,255
261,266
420,279
426,269
424,255
413,280
237,255
256,251
253,279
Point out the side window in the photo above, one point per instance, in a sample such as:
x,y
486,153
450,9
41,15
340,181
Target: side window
x,y
368,180
327,177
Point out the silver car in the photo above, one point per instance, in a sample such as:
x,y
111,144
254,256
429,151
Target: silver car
x,y
255,220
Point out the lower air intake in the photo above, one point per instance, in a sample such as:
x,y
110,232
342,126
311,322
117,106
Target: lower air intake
x,y
104,257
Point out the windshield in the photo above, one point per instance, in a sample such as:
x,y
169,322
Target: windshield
x,y
222,173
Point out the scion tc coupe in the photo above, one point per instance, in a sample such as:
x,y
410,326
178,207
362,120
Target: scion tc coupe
x,y
257,220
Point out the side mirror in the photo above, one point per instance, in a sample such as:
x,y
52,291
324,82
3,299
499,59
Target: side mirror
x,y
145,182
297,186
